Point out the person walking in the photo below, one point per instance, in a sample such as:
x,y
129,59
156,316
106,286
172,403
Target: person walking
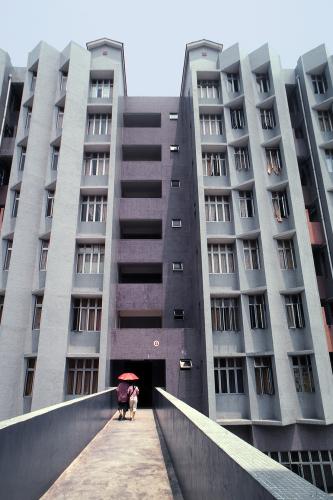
x,y
133,392
122,396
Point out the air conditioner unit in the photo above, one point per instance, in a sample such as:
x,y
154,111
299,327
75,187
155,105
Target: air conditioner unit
x,y
185,364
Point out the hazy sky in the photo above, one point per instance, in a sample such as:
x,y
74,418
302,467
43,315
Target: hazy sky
x,y
155,32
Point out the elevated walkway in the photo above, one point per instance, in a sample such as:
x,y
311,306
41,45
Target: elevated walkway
x,y
79,450
123,461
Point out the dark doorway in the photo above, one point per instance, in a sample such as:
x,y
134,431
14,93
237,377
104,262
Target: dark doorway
x,y
151,374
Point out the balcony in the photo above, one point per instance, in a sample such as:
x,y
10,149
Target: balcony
x,y
139,296
315,231
142,250
140,208
7,146
328,331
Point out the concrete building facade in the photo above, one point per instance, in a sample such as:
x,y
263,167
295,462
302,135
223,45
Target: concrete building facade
x,y
186,239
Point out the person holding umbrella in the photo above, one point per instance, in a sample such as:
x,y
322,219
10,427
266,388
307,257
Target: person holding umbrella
x,y
133,392
122,393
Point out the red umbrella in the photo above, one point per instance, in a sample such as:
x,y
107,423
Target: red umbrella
x,y
128,376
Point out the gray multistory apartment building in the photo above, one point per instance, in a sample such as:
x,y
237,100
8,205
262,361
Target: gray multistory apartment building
x,y
186,239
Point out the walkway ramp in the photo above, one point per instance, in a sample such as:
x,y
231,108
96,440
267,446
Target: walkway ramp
x,y
123,461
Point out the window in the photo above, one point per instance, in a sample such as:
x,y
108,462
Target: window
x,y
319,83
99,124
325,119
29,376
44,250
294,311
2,298
221,258
286,254
208,89
174,148
314,466
224,312
101,89
257,308
303,373
63,81
93,208
55,158
22,158
214,164
90,259
237,118
263,375
175,183
263,84
177,266
246,205
16,203
280,205
176,223
28,119
82,376
211,124
178,313
329,160
33,81
60,118
251,254
87,315
173,116
267,119
242,158
96,164
233,82
49,204
217,208
228,374
37,312
273,161
8,255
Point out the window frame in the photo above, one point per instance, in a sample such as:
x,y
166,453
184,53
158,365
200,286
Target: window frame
x,y
86,313
280,205
98,123
229,375
286,253
8,254
217,208
77,376
16,203
251,254
211,124
267,118
93,208
257,312
214,164
263,374
29,378
88,264
233,83
104,87
246,201
221,256
96,164
44,250
208,89
303,373
37,315
242,158
225,313
294,311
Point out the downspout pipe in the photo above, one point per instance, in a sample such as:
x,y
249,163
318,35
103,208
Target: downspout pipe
x,y
315,174
6,107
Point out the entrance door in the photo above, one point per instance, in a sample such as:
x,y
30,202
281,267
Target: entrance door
x,y
151,374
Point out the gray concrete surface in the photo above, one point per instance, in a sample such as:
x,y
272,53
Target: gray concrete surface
x,y
123,461
37,447
213,463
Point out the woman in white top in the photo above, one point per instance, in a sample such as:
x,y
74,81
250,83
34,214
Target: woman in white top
x,y
133,392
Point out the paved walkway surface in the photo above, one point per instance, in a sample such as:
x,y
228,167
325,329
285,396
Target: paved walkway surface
x,y
123,461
